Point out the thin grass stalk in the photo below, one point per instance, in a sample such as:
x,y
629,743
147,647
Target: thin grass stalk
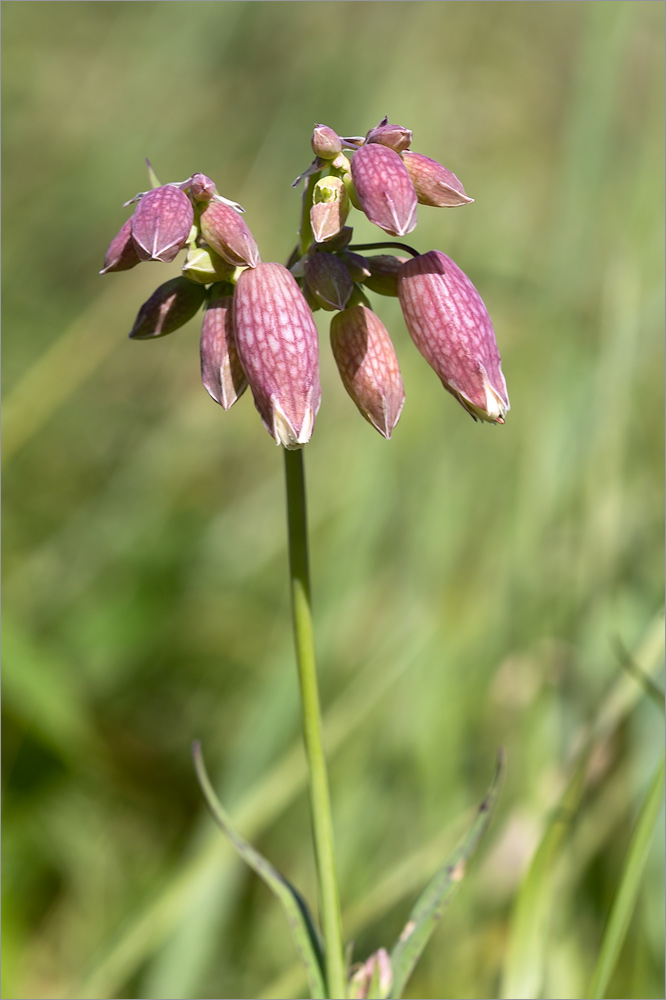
x,y
320,803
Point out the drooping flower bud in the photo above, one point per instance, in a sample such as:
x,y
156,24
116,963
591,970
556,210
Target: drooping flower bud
x,y
450,326
168,308
330,208
276,339
221,371
202,188
121,254
394,136
326,143
433,183
383,270
384,190
368,366
329,280
161,223
226,232
204,266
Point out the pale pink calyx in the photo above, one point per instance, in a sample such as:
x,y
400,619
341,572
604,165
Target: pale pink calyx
x,y
368,366
161,223
384,189
276,339
221,371
450,326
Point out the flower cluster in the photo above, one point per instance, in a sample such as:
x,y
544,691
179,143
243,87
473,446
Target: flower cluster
x,y
258,327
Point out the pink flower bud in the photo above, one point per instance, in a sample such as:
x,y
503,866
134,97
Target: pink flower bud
x,y
276,338
394,136
329,280
384,190
325,142
121,254
433,183
168,308
221,371
161,223
368,366
226,232
383,270
330,208
451,327
373,978
202,188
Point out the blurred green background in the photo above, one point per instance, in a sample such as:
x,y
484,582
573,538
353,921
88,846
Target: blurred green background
x,y
474,586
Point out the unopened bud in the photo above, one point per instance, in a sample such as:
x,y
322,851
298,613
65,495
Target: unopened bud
x,y
161,223
383,270
368,366
433,183
384,190
450,326
202,188
276,339
168,308
204,266
325,142
329,280
221,371
330,208
394,136
121,254
226,232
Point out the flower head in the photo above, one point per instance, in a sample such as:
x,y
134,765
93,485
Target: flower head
x,y
258,327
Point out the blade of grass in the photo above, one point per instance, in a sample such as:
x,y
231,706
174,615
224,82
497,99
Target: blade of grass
x,y
439,892
627,892
529,935
296,909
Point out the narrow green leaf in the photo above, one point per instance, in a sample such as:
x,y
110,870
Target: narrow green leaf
x,y
296,909
652,689
152,176
438,893
625,900
523,970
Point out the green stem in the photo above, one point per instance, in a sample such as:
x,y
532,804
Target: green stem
x,y
305,231
320,802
